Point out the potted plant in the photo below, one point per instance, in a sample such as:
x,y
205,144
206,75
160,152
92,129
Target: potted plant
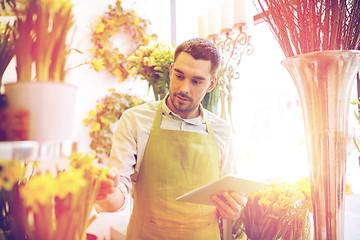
x,y
40,38
319,39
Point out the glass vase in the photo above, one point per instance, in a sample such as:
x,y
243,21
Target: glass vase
x,y
324,81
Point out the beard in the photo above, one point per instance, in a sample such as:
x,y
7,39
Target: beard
x,y
182,102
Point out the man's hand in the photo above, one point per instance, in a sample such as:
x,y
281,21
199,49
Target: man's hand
x,y
109,197
107,186
229,204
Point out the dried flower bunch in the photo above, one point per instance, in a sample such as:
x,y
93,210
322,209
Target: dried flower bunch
x,y
308,26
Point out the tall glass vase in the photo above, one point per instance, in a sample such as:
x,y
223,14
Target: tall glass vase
x,y
324,81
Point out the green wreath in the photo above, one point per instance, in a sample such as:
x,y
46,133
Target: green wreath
x,y
115,20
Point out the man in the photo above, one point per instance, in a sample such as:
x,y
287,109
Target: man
x,y
170,147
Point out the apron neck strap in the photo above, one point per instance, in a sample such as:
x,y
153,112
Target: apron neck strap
x,y
158,115
157,120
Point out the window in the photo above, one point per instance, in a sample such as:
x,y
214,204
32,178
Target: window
x,y
267,118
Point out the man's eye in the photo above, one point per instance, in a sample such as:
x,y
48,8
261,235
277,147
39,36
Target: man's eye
x,y
196,82
179,76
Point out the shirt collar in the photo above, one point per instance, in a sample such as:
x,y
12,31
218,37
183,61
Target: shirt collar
x,y
194,121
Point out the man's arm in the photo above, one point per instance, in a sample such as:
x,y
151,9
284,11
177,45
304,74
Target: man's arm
x,y
114,191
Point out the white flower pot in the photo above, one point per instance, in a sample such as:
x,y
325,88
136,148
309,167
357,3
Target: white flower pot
x,y
51,107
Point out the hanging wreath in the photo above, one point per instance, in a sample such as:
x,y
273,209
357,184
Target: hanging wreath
x,y
101,120
117,21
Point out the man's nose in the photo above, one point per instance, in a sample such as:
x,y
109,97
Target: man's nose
x,y
185,86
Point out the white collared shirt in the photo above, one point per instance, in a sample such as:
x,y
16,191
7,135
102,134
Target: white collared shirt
x,y
133,129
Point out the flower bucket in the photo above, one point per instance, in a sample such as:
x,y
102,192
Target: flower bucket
x,y
51,108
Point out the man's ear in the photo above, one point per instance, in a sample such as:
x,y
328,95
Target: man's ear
x,y
171,69
212,84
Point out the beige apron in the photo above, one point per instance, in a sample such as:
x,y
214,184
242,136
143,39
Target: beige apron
x,y
174,163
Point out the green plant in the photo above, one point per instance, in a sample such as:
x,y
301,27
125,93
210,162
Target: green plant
x,y
211,99
101,121
41,33
152,63
4,3
117,20
303,26
6,47
357,116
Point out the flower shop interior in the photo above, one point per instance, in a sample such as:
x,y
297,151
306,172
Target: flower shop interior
x,y
105,54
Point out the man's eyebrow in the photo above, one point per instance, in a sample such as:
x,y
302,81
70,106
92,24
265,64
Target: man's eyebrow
x,y
195,77
199,78
177,70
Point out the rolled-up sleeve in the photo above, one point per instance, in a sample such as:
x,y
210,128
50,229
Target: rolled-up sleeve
x,y
227,155
123,152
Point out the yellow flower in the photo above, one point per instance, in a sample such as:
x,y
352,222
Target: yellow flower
x,y
86,121
110,22
117,72
80,160
348,189
92,50
122,79
102,119
62,5
112,90
104,172
99,28
100,107
38,190
304,186
91,172
135,101
11,172
56,5
97,64
136,21
96,127
92,113
69,182
99,19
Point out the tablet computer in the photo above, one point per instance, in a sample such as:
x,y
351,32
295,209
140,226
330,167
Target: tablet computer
x,y
231,183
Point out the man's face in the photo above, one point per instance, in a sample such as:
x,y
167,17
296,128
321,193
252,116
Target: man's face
x,y
190,80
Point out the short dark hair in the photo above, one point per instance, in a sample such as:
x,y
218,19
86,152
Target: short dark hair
x,y
200,48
